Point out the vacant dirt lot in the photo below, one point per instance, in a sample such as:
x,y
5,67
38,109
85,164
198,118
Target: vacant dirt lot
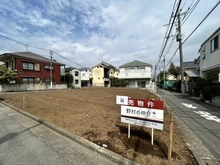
x,y
92,113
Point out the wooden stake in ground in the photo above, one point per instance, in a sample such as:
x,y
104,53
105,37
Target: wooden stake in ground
x,y
152,136
23,101
170,138
129,130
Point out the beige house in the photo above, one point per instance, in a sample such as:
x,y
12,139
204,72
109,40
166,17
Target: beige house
x,y
102,73
170,77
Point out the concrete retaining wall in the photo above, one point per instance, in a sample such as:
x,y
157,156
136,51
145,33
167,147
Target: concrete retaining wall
x,y
30,87
216,101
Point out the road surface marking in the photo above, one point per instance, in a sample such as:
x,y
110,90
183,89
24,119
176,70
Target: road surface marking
x,y
189,105
208,116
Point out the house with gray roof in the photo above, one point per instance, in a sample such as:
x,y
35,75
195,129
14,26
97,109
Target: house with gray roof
x,y
32,68
86,76
191,73
138,74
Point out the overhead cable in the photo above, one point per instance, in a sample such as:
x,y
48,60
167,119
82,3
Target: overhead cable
x,y
194,30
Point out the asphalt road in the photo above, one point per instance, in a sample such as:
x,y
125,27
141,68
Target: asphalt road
x,y
202,119
26,141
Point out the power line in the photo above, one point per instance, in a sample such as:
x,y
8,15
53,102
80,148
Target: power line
x,y
194,30
190,11
27,45
168,34
66,58
201,22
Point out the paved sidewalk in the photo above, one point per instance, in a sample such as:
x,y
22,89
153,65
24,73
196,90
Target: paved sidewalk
x,y
27,141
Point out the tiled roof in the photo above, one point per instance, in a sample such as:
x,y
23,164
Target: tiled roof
x,y
189,64
105,64
193,73
85,68
135,63
31,55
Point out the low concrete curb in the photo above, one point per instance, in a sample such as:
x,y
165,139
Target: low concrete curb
x,y
92,146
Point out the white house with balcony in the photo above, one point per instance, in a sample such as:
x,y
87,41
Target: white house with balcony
x,y
138,74
86,76
210,54
76,76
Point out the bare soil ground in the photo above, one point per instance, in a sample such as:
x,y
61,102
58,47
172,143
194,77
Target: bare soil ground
x,y
92,113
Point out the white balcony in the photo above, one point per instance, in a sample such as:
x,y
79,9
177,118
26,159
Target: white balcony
x,y
134,75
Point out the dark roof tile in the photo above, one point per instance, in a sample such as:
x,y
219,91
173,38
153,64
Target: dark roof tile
x,y
135,63
31,55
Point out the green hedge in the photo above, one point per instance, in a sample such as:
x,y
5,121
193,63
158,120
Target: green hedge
x,y
210,91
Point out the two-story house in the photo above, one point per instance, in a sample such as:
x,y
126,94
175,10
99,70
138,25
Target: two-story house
x,y
32,68
191,73
210,54
86,76
76,76
138,74
102,73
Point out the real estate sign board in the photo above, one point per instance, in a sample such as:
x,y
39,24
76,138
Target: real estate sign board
x,y
147,113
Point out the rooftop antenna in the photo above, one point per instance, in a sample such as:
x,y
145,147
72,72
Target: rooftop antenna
x,y
26,47
101,57
135,57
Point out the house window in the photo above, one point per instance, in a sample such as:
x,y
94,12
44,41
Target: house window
x,y
141,69
28,80
48,67
203,57
47,80
214,43
76,81
37,67
132,69
76,73
27,66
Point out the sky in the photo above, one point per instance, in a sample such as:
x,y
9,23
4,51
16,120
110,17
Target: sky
x,y
87,32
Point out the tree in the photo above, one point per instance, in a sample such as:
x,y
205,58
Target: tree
x,y
69,79
212,77
115,82
174,70
160,76
6,75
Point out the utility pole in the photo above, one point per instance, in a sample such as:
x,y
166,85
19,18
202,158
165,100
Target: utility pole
x,y
51,67
26,47
164,73
179,39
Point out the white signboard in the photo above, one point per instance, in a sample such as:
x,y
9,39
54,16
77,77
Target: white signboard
x,y
145,113
144,123
147,117
122,100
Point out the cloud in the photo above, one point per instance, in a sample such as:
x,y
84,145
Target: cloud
x,y
115,31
